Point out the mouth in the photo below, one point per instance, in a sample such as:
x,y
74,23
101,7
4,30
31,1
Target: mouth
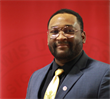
x,y
62,45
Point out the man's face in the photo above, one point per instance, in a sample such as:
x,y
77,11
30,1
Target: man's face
x,y
62,47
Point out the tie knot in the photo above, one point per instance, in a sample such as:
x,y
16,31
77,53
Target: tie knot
x,y
59,72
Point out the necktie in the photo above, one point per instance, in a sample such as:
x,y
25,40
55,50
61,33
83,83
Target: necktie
x,y
53,86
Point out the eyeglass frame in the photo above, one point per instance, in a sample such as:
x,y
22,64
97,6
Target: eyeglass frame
x,y
62,29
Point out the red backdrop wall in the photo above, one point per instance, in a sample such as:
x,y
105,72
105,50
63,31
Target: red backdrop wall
x,y
23,38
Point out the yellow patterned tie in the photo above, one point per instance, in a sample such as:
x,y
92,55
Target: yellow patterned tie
x,y
53,86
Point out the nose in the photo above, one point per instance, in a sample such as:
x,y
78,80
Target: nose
x,y
61,36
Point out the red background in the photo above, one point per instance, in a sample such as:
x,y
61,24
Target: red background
x,y
23,38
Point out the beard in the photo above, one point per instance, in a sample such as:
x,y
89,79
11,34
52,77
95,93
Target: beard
x,y
71,53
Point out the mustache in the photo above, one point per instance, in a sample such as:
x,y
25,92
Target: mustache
x,y
61,42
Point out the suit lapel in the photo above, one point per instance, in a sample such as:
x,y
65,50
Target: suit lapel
x,y
69,82
41,77
72,78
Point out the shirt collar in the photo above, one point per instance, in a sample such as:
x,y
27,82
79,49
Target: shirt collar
x,y
67,67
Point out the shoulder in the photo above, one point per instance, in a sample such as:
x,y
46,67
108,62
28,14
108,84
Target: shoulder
x,y
98,64
97,68
87,63
93,66
42,70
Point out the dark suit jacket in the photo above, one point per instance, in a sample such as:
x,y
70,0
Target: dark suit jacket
x,y
87,79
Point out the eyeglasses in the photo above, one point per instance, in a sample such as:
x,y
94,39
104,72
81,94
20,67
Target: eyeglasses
x,y
68,31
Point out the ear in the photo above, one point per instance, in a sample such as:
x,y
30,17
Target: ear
x,y
83,35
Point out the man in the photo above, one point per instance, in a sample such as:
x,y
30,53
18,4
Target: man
x,y
82,77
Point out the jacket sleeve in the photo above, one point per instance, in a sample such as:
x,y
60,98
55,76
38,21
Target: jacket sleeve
x,y
104,88
28,89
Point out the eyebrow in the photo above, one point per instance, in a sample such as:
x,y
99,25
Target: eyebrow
x,y
64,25
69,25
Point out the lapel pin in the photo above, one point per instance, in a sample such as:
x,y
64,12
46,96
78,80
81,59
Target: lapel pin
x,y
64,88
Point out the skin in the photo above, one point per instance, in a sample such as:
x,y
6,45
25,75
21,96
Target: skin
x,y
62,48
